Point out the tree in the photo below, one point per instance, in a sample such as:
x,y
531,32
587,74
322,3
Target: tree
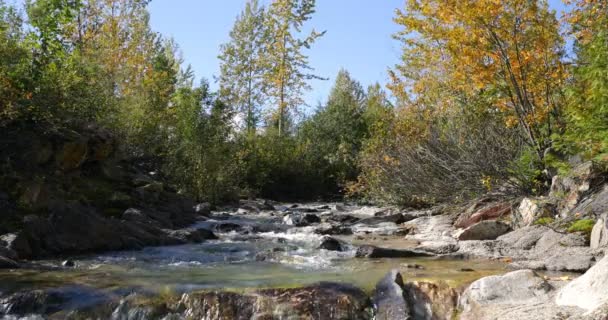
x,y
508,51
241,68
587,109
287,66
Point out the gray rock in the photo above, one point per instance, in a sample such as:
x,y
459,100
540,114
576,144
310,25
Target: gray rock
x,y
394,218
588,291
203,209
31,302
484,230
334,230
368,251
495,297
301,219
389,298
554,240
599,234
530,210
331,244
16,245
576,260
193,235
524,238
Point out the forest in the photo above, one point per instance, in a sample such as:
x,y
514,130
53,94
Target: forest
x,y
487,96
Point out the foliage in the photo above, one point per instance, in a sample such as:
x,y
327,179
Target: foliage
x,y
587,108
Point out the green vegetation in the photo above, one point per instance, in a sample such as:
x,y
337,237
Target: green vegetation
x,y
584,225
544,221
466,113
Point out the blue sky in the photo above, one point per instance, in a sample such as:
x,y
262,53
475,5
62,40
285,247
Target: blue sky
x,y
358,36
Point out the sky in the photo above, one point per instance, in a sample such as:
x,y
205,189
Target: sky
x,y
358,37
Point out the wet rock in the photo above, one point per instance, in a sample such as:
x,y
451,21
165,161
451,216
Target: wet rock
x,y
496,296
530,210
344,219
192,235
7,263
30,302
599,233
331,244
68,264
334,230
389,299
484,230
436,301
368,251
589,290
322,301
301,220
228,227
15,245
203,209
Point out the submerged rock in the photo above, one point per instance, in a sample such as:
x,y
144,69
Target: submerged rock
x,y
389,298
368,251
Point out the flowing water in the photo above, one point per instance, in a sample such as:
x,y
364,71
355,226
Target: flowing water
x,y
272,256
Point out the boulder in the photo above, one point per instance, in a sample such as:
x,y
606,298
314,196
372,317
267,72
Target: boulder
x,y
588,291
570,190
599,233
530,210
343,218
150,191
331,244
436,301
368,251
72,154
495,297
224,227
389,298
301,219
334,230
16,244
322,301
203,209
481,210
524,238
396,218
484,230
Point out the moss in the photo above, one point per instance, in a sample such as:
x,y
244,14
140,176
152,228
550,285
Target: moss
x,y
544,221
584,225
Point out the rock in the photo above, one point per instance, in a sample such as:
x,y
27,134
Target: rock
x,y
301,220
150,191
570,190
225,227
482,210
367,251
192,235
484,230
72,154
68,263
412,266
576,260
438,247
530,210
524,238
394,218
7,263
203,209
599,233
436,301
17,245
343,218
30,302
554,240
322,301
331,244
587,291
120,199
494,297
334,230
389,299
